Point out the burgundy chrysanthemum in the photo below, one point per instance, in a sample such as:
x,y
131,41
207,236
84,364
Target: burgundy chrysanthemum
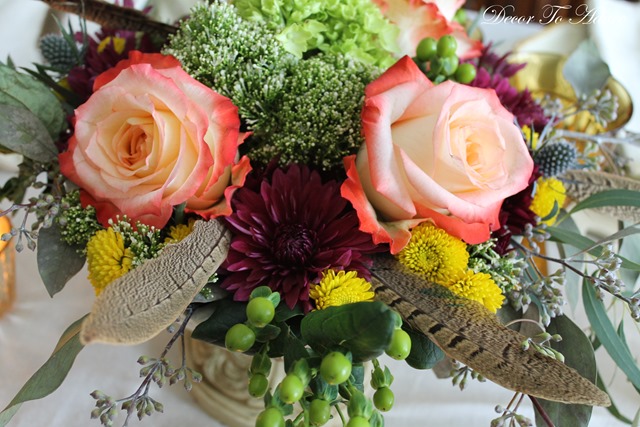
x,y
494,71
288,231
103,54
515,214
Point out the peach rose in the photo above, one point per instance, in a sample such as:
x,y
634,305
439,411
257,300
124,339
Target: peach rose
x,y
448,153
150,138
418,19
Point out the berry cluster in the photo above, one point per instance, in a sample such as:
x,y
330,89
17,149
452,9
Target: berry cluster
x,y
317,383
438,60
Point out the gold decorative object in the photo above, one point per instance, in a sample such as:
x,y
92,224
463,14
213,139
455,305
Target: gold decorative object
x,y
7,269
543,76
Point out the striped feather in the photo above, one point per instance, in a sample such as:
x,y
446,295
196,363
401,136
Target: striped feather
x,y
581,184
468,332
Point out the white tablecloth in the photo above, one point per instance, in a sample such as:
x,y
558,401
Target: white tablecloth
x,y
30,331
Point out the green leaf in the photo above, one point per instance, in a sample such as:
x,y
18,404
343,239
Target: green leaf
x,y
284,313
602,199
613,409
606,333
294,350
23,133
581,242
424,353
49,377
364,328
58,262
578,353
573,279
585,70
267,333
226,313
22,90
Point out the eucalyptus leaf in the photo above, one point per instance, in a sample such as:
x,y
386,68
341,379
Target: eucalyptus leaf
x,y
578,353
560,234
573,279
363,328
606,333
50,375
24,133
58,262
23,90
585,70
613,409
618,197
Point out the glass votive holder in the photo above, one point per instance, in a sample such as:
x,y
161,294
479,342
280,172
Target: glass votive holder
x,y
7,268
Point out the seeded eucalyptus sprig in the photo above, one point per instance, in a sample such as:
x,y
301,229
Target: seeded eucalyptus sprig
x,y
155,370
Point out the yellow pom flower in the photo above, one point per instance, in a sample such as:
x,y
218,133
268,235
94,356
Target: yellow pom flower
x,y
107,258
119,44
550,193
478,287
179,232
530,137
434,254
340,288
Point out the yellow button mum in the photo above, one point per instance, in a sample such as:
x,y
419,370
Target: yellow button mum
x,y
340,288
107,258
434,254
478,287
550,194
179,232
118,44
530,137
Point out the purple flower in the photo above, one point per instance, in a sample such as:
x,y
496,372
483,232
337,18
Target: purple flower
x,y
287,230
104,51
494,71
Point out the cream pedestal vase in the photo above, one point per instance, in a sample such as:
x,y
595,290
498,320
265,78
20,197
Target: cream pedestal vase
x,y
223,391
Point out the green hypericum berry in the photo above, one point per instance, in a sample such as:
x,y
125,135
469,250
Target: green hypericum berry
x,y
383,398
319,412
335,368
270,417
260,312
358,422
427,49
447,46
258,385
240,338
449,65
400,345
291,389
465,73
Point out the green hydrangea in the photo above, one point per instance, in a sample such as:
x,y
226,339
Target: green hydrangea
x,y
355,28
145,241
77,224
318,119
239,59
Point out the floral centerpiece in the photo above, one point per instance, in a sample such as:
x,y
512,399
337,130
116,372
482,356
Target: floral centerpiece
x,y
321,182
